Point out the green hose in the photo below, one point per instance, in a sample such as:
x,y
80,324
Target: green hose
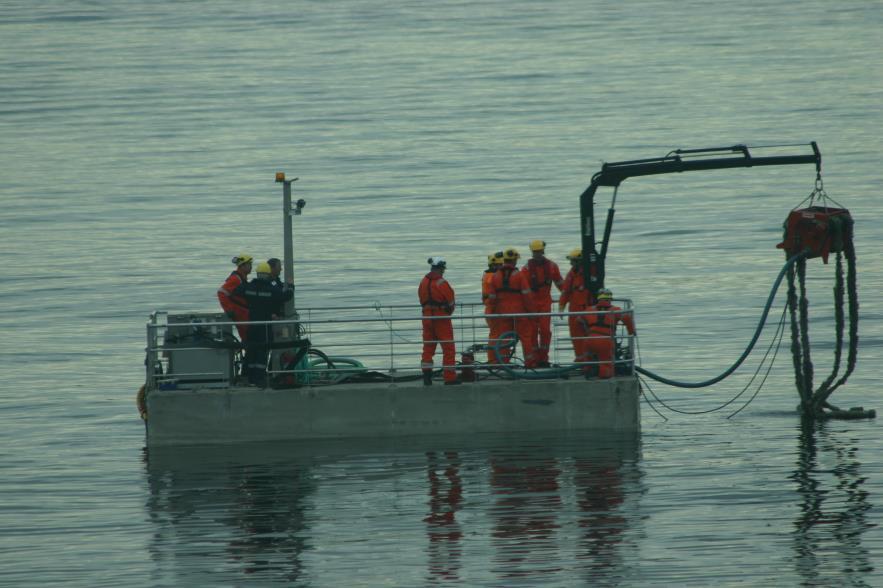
x,y
332,364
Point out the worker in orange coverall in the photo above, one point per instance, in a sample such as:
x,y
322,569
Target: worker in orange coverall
x,y
509,293
575,293
437,299
602,331
234,304
541,273
494,261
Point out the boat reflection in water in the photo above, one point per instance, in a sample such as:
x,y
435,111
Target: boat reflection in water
x,y
495,509
832,510
526,512
221,508
442,528
564,514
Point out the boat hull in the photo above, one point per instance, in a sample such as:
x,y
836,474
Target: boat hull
x,y
246,414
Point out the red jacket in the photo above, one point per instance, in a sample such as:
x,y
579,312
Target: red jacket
x,y
436,295
509,291
605,324
541,274
485,289
575,292
230,301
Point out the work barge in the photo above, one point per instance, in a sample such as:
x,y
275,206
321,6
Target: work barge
x,y
193,395
317,390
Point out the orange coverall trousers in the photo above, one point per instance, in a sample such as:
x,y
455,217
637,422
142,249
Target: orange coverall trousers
x,y
523,327
601,345
542,337
439,332
578,331
494,332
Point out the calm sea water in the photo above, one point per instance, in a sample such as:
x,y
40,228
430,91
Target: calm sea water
x,y
138,143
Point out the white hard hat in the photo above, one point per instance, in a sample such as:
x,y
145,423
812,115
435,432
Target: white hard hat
x,y
437,261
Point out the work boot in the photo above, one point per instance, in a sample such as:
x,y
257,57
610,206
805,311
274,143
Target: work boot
x,y
427,378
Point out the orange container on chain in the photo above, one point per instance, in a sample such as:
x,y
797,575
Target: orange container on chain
x,y
818,230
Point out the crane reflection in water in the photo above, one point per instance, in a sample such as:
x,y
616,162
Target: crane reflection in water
x,y
833,508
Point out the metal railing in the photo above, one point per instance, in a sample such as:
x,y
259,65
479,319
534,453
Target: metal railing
x,y
359,343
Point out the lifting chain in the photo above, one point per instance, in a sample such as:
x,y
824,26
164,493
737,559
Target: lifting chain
x,y
839,234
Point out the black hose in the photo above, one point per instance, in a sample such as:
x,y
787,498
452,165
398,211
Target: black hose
x,y
321,354
766,310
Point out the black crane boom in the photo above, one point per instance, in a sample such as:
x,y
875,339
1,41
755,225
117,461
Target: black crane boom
x,y
677,161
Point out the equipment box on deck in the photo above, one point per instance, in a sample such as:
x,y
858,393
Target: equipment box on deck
x,y
198,350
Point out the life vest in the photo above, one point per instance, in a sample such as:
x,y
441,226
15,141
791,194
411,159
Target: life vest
x,y
540,274
602,323
486,282
427,301
228,295
506,275
511,291
575,292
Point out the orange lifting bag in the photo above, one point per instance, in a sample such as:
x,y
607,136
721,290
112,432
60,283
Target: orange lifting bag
x,y
817,230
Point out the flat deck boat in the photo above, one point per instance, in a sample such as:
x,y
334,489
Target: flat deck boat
x,y
193,394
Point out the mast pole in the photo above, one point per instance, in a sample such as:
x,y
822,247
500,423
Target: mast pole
x,y
288,240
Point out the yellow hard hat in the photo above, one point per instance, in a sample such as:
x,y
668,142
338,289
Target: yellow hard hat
x,y
510,254
498,257
537,245
242,258
604,294
575,254
264,268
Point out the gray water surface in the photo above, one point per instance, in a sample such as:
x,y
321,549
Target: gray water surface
x,y
138,145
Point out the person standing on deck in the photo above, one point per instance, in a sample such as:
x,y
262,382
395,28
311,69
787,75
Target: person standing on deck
x,y
494,261
437,299
541,273
263,299
509,293
602,331
234,305
575,293
276,282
